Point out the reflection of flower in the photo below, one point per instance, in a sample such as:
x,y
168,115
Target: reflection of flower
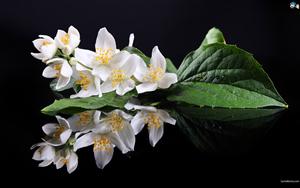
x,y
66,157
113,130
155,75
154,118
44,153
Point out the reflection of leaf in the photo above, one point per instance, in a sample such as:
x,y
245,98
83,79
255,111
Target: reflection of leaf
x,y
231,131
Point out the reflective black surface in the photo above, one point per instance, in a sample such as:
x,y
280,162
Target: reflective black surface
x,y
243,151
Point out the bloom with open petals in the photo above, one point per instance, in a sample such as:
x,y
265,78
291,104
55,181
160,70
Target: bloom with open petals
x,y
106,53
113,130
58,68
89,84
84,121
67,41
46,47
151,116
58,133
155,75
67,157
44,153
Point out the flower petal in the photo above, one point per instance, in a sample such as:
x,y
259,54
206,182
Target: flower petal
x,y
86,57
165,116
146,87
167,80
125,87
49,128
157,59
49,72
66,69
103,157
155,134
138,122
62,121
127,136
38,56
64,136
130,65
72,30
72,162
84,141
117,141
119,59
107,86
141,71
102,72
62,82
105,40
45,163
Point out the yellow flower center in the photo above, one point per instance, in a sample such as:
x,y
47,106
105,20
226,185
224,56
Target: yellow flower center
x,y
84,118
46,43
116,122
102,143
58,131
65,39
153,120
65,161
117,77
155,74
84,81
57,68
104,55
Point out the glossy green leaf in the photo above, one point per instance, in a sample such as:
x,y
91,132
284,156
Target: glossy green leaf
x,y
71,106
214,35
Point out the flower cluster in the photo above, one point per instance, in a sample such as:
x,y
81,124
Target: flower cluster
x,y
104,70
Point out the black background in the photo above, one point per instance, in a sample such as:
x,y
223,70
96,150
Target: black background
x,y
270,30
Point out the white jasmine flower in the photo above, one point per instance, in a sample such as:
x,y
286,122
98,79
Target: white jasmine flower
x,y
90,85
105,54
66,157
67,42
155,75
84,121
58,133
151,116
46,47
58,68
119,76
44,153
113,130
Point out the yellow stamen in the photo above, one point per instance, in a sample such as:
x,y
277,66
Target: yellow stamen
x,y
102,143
57,68
155,74
84,118
104,55
153,120
65,39
46,43
84,81
65,161
58,131
116,122
117,77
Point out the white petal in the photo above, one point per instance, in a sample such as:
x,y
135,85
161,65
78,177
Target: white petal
x,y
59,35
124,115
66,69
74,31
60,163
74,42
141,71
165,116
155,134
45,163
119,59
62,82
167,80
37,43
138,122
146,87
105,40
64,136
127,136
107,86
84,141
49,128
130,106
102,158
74,122
97,83
125,87
38,56
72,162
96,117
62,121
85,93
131,40
157,59
130,65
49,50
117,141
49,72
102,72
85,57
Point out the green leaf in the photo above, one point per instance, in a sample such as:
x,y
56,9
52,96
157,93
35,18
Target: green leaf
x,y
219,95
228,65
71,106
170,66
214,35
138,52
